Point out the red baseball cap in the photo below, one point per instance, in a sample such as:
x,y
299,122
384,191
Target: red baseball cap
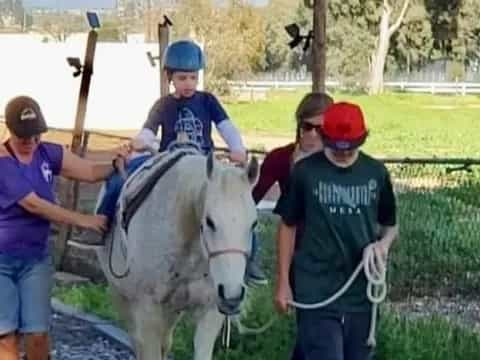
x,y
343,126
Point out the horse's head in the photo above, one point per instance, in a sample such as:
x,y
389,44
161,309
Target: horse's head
x,y
228,219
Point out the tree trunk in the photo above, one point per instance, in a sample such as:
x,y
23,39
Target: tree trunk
x,y
380,55
319,50
148,18
381,51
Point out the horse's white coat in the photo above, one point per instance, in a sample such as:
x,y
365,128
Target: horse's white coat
x,y
170,270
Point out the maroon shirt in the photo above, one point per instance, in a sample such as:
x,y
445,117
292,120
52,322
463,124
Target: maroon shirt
x,y
276,167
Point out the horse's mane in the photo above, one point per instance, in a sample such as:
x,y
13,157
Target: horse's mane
x,y
193,182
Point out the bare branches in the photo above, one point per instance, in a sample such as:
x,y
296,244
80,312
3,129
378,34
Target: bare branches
x,y
400,18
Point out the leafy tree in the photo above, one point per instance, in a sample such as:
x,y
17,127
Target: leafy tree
x,y
388,25
276,16
411,46
59,26
232,35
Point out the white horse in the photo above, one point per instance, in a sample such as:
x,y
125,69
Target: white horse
x,y
187,247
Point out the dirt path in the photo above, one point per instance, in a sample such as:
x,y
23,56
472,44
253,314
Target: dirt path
x,y
253,140
99,143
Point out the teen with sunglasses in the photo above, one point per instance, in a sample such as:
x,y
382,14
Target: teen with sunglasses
x,y
27,206
278,163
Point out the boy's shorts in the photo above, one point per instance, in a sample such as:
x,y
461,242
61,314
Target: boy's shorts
x,y
25,294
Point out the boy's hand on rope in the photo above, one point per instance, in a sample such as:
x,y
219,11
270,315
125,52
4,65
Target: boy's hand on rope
x,y
283,295
381,248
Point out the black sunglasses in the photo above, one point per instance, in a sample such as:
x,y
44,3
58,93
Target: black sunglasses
x,y
306,126
27,139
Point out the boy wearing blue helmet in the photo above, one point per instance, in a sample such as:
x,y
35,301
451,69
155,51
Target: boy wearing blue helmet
x,y
186,111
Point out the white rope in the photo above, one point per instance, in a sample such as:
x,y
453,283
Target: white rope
x,y
375,271
226,333
242,329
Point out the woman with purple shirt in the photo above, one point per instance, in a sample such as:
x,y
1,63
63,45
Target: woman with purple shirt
x,y
27,206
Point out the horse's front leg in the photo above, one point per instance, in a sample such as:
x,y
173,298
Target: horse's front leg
x,y
206,332
152,330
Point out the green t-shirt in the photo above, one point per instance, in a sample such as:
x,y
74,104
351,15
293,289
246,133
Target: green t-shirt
x,y
340,209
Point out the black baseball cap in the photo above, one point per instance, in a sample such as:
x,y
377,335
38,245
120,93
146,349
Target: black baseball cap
x,y
24,117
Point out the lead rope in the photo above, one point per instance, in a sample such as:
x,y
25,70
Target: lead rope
x,y
375,271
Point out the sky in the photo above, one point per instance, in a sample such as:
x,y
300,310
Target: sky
x,y
85,4
70,4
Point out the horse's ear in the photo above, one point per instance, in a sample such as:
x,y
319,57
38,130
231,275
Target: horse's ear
x,y
253,170
210,165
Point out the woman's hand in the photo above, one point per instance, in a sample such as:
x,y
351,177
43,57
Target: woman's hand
x,y
123,151
96,223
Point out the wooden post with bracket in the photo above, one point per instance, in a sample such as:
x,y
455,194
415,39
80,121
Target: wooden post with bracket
x,y
71,191
163,41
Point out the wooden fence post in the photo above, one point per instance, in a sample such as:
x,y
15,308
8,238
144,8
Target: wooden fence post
x,y
70,194
163,41
319,51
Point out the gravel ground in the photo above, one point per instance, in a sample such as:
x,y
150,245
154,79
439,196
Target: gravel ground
x,y
75,339
461,311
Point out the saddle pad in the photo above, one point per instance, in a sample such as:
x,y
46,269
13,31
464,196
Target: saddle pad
x,y
142,181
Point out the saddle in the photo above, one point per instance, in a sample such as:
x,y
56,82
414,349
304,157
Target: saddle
x,y
141,182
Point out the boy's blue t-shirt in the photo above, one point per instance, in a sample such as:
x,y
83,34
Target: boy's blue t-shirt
x,y
193,115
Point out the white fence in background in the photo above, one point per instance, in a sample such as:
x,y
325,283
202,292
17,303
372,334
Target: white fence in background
x,y
458,88
124,84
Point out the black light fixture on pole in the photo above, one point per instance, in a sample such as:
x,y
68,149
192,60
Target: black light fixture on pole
x,y
70,195
293,30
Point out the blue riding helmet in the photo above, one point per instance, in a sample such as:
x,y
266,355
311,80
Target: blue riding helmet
x,y
184,55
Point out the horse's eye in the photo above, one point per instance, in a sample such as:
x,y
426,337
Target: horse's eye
x,y
210,223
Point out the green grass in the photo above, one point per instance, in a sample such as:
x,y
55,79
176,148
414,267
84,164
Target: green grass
x,y
438,250
439,215
400,124
430,338
89,298
438,247
398,338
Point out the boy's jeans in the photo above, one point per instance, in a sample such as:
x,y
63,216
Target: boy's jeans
x,y
334,336
113,188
